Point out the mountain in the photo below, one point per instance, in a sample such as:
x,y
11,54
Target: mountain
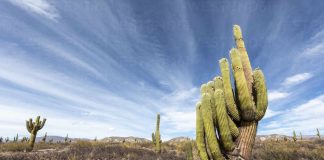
x,y
124,139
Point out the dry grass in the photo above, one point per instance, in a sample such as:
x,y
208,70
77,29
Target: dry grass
x,y
88,150
267,150
289,150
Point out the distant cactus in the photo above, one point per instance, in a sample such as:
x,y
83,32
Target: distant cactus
x,y
15,139
7,139
44,138
232,116
318,133
153,138
95,139
301,136
188,149
33,128
66,138
156,137
24,139
1,139
294,136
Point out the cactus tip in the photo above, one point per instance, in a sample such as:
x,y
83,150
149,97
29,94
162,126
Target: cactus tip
x,y
237,32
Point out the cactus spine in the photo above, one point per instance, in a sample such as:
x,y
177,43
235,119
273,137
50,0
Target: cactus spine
x,y
33,128
226,123
294,136
156,137
318,133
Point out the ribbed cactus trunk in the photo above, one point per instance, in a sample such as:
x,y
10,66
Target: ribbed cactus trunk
x,y
157,135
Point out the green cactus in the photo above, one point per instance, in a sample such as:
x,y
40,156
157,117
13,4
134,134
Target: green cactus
x,y
318,133
294,136
226,123
66,138
156,137
153,138
15,139
33,128
44,138
301,136
188,149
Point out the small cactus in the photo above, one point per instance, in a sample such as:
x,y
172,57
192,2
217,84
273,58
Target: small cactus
x,y
318,133
7,140
44,138
156,137
153,138
33,128
15,139
188,149
294,136
66,138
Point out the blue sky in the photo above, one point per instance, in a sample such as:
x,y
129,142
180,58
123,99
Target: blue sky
x,y
105,68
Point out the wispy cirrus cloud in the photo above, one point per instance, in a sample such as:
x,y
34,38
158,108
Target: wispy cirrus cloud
x,y
41,7
276,95
297,79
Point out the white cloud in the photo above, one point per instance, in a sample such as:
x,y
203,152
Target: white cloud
x,y
297,79
180,121
42,7
276,95
270,113
303,118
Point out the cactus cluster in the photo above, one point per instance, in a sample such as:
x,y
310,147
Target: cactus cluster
x,y
15,139
156,137
227,119
33,128
294,136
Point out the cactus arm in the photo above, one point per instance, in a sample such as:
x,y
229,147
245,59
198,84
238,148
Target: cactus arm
x,y
200,135
228,92
210,90
232,126
29,126
244,56
260,93
42,123
245,101
222,121
209,127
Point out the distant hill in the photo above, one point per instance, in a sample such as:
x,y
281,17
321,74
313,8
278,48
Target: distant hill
x,y
179,139
124,139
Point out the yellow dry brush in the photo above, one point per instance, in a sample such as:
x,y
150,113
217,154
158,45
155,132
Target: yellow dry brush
x,y
227,119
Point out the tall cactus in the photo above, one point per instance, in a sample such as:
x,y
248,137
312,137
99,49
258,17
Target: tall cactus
x,y
294,136
33,128
301,136
318,133
156,137
226,122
